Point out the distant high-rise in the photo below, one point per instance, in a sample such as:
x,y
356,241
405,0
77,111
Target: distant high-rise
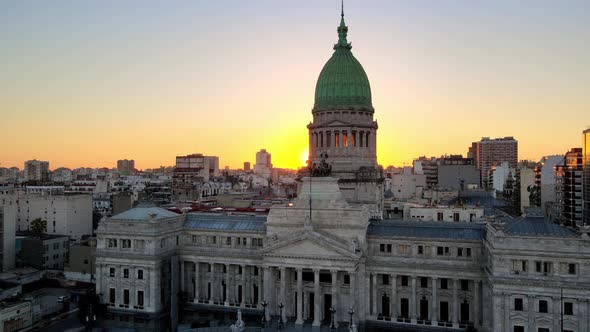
x,y
246,166
36,170
190,173
263,163
490,152
568,189
586,175
126,166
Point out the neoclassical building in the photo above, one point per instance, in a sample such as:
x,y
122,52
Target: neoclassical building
x,y
330,250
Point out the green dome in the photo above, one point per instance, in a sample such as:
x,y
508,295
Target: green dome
x,y
343,83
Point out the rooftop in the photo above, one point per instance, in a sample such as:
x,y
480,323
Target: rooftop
x,y
229,222
145,214
535,226
427,229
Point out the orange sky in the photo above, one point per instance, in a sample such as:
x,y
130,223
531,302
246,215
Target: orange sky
x,y
85,85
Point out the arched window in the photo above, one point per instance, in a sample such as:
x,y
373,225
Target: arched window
x,y
328,138
336,139
344,139
321,139
353,143
315,139
367,139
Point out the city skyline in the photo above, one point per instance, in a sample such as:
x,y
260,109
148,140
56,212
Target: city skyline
x,y
142,82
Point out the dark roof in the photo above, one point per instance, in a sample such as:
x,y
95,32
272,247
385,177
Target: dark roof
x,y
214,221
536,226
427,229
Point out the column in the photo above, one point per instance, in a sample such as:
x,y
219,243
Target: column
x,y
211,283
393,306
267,289
556,307
476,304
181,276
245,292
374,295
413,317
158,289
299,296
507,326
227,285
335,296
197,289
283,294
531,312
260,285
455,303
434,310
316,298
368,296
353,299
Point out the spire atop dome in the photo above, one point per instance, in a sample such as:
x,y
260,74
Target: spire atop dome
x,y
342,32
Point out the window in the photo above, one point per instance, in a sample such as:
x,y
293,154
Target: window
x,y
388,249
460,252
112,296
111,272
444,283
439,251
404,280
382,247
125,243
112,243
139,244
468,252
126,297
404,249
519,266
439,216
140,274
423,282
385,279
543,306
571,268
568,308
543,329
464,285
518,328
228,241
456,216
420,250
194,239
336,139
125,273
518,306
162,243
347,279
260,242
56,246
140,299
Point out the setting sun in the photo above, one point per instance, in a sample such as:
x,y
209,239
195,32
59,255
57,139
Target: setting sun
x,y
304,156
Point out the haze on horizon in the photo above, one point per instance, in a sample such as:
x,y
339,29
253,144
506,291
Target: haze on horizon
x,y
87,83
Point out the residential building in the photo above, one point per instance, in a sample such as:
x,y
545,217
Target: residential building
x,y
406,184
7,236
263,165
126,166
246,166
490,152
586,175
45,252
547,170
428,167
501,175
15,315
458,173
190,173
36,170
81,264
568,176
66,214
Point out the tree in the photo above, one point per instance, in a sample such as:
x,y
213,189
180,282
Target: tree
x,y
39,226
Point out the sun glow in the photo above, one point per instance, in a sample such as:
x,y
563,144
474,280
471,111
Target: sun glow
x,y
303,156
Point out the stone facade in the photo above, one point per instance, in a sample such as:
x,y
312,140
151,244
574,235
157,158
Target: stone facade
x,y
392,273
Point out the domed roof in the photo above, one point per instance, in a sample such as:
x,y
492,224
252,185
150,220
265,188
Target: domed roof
x,y
343,83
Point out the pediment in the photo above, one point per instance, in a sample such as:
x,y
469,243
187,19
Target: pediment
x,y
336,123
309,245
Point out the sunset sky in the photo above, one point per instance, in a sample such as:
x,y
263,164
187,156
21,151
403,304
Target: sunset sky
x,y
84,83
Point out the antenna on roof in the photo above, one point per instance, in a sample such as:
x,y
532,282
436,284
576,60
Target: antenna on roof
x,y
342,11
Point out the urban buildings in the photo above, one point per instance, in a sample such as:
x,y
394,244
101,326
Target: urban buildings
x,y
7,239
44,251
428,167
457,173
36,170
586,175
125,166
190,173
568,176
246,166
328,250
263,165
490,152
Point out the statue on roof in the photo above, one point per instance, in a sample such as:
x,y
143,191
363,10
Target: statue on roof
x,y
239,326
323,169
